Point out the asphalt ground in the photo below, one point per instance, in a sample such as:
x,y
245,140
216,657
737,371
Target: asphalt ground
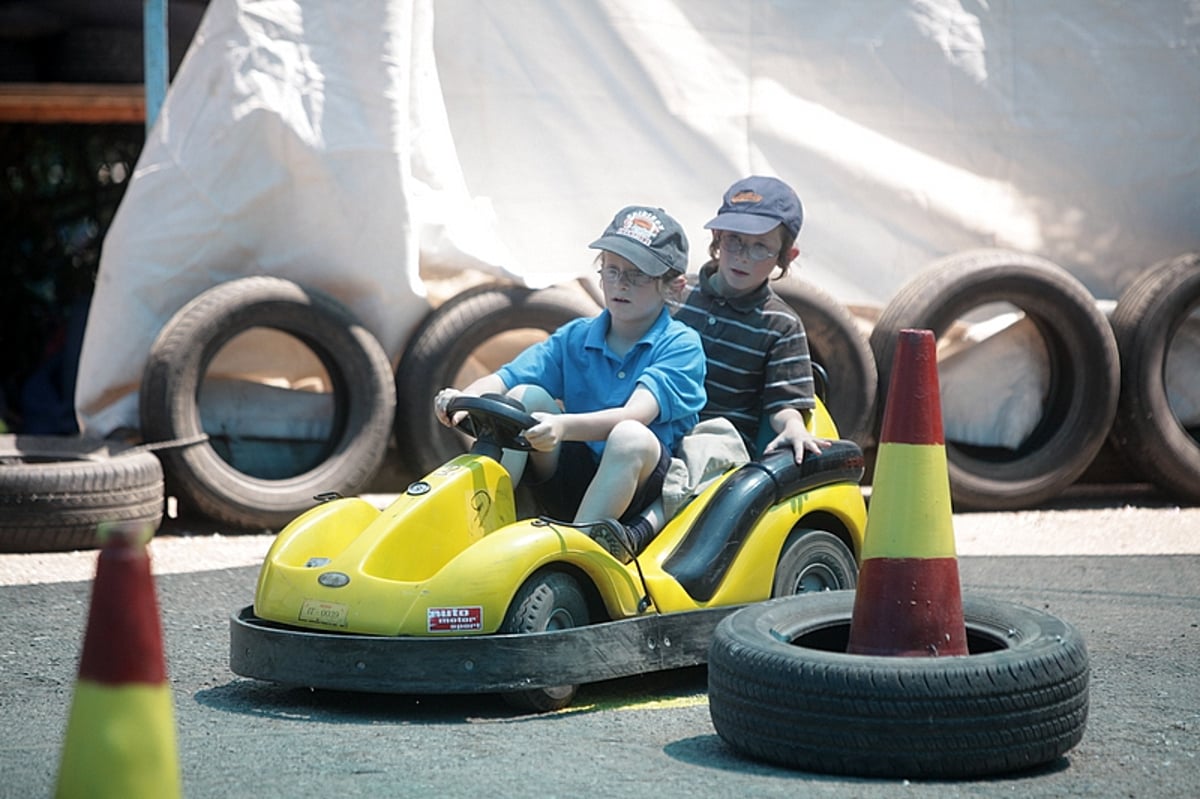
x,y
1123,568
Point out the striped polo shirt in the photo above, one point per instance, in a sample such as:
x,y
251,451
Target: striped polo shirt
x,y
757,352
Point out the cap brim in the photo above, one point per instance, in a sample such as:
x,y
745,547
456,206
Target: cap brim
x,y
633,252
750,224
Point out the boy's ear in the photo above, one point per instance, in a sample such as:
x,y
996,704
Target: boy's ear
x,y
674,287
793,254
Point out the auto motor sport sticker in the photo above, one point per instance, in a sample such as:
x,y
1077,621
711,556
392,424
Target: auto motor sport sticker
x,y
453,620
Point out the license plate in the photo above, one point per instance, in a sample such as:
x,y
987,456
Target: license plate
x,y
331,614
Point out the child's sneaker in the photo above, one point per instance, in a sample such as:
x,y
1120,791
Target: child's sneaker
x,y
612,535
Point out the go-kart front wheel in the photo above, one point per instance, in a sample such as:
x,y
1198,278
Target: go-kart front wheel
x,y
547,601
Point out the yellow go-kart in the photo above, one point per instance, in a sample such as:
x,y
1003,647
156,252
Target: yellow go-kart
x,y
446,591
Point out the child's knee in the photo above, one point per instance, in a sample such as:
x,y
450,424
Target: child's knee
x,y
534,398
632,441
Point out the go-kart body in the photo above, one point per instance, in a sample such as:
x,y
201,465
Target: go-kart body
x,y
419,597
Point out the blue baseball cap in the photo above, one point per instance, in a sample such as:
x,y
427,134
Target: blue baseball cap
x,y
648,238
755,205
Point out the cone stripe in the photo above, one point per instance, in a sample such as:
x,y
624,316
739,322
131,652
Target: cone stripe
x,y
911,512
914,409
123,643
914,601
120,743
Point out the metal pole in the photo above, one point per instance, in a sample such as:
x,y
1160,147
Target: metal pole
x,y
154,38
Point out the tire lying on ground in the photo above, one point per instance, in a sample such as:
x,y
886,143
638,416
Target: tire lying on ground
x,y
782,689
1147,431
55,491
839,346
1077,412
468,336
363,399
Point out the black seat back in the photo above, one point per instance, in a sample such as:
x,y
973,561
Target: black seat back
x,y
710,546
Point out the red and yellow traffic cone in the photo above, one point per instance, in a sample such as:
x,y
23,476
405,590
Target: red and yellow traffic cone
x,y
909,600
120,739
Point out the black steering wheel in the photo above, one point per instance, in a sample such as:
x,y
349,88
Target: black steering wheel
x,y
493,420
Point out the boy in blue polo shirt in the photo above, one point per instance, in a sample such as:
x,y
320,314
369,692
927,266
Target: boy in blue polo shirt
x,y
613,394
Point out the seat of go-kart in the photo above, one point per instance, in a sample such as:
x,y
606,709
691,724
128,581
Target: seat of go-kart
x,y
722,526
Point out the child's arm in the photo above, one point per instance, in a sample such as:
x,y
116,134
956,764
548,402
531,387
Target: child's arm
x,y
554,428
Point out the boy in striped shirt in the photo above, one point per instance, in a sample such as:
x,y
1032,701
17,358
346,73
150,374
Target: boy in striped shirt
x,y
758,361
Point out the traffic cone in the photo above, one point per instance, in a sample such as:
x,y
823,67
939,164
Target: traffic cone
x,y
909,600
120,739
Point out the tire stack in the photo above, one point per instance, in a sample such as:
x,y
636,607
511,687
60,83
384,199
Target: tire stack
x,y
1105,375
1147,429
1111,383
1109,377
1081,353
202,467
56,490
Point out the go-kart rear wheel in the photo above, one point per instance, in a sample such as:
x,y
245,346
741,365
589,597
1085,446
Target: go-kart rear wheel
x,y
547,601
814,560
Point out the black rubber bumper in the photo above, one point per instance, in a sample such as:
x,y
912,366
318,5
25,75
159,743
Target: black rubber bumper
x,y
469,664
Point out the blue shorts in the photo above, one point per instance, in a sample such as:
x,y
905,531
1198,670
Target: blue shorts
x,y
559,495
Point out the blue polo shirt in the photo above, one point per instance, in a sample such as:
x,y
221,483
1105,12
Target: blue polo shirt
x,y
576,366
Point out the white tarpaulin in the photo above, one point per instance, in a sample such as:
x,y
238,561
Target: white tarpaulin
x,y
911,129
334,142
300,139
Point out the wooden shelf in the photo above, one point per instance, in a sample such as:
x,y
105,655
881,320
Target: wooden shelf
x,y
77,103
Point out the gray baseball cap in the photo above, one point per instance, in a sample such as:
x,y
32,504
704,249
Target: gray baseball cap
x,y
755,205
649,238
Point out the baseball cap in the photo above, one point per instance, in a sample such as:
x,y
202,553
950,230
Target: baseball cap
x,y
756,204
648,238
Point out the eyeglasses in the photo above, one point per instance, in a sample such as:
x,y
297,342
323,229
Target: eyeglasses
x,y
756,252
634,277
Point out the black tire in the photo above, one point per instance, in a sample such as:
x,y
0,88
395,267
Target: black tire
x,y
1146,431
363,400
547,601
782,689
1084,373
55,491
836,342
480,329
814,561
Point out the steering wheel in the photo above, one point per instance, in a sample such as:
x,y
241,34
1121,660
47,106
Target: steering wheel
x,y
493,419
